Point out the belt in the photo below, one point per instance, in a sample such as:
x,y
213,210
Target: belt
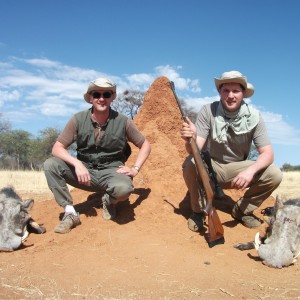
x,y
101,160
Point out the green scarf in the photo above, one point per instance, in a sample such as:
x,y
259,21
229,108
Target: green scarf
x,y
241,121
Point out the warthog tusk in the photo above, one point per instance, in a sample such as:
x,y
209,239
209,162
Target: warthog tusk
x,y
25,234
257,241
296,256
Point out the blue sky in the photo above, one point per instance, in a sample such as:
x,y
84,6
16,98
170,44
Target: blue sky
x,y
50,50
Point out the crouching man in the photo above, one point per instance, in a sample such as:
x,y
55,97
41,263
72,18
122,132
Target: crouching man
x,y
227,128
102,137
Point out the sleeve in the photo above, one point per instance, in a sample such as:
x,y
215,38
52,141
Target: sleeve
x,y
69,135
260,135
133,134
203,122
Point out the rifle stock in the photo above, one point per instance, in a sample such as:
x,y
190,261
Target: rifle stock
x,y
215,227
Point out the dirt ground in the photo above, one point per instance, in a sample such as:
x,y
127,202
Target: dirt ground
x,y
147,252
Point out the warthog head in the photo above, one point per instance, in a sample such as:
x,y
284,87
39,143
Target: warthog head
x,y
282,244
13,219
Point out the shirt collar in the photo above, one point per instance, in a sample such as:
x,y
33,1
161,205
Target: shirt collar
x,y
94,121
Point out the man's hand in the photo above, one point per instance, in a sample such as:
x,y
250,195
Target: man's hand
x,y
82,173
188,130
127,171
242,180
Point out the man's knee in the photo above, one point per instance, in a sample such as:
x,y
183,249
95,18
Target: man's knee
x,y
50,164
275,175
122,190
54,171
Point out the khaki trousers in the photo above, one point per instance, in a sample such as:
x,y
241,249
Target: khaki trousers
x,y
261,188
106,180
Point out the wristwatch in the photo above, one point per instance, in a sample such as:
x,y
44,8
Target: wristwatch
x,y
137,168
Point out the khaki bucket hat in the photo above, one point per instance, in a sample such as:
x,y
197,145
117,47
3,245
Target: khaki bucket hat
x,y
235,77
100,84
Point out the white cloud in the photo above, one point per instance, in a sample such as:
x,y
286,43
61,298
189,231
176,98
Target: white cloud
x,y
42,62
280,131
180,82
12,95
57,109
138,81
5,65
142,81
197,103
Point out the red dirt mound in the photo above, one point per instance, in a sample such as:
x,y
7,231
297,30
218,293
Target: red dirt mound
x,y
159,119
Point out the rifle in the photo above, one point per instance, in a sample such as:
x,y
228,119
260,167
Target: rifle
x,y
215,228
212,174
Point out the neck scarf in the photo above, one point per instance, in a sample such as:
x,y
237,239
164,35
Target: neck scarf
x,y
241,121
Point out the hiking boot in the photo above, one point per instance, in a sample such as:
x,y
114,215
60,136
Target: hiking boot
x,y
249,220
196,221
68,222
109,211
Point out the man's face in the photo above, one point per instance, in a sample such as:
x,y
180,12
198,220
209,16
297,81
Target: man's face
x,y
231,95
101,99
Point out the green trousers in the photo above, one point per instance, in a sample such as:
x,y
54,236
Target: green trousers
x,y
261,188
104,180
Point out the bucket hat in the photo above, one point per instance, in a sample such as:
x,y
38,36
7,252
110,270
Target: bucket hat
x,y
235,77
100,84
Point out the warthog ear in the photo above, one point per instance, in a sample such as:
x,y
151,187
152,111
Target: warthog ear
x,y
268,219
278,203
28,204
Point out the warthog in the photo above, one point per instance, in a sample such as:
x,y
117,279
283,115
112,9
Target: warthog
x,y
281,245
15,222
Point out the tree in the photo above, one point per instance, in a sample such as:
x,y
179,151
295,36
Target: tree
x,y
42,147
188,111
5,125
15,148
287,168
129,103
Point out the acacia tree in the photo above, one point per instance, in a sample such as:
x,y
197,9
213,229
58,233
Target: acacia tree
x,y
42,147
5,125
15,148
188,111
288,167
129,103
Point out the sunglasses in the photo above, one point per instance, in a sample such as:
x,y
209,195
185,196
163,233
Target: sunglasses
x,y
98,95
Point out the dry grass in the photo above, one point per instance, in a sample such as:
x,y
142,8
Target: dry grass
x,y
290,185
24,181
27,183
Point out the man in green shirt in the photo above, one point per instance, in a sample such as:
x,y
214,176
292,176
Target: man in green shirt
x,y
227,129
102,137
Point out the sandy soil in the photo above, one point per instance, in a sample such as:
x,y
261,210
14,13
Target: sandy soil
x,y
147,252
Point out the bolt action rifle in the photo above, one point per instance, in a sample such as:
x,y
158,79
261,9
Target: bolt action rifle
x,y
215,228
